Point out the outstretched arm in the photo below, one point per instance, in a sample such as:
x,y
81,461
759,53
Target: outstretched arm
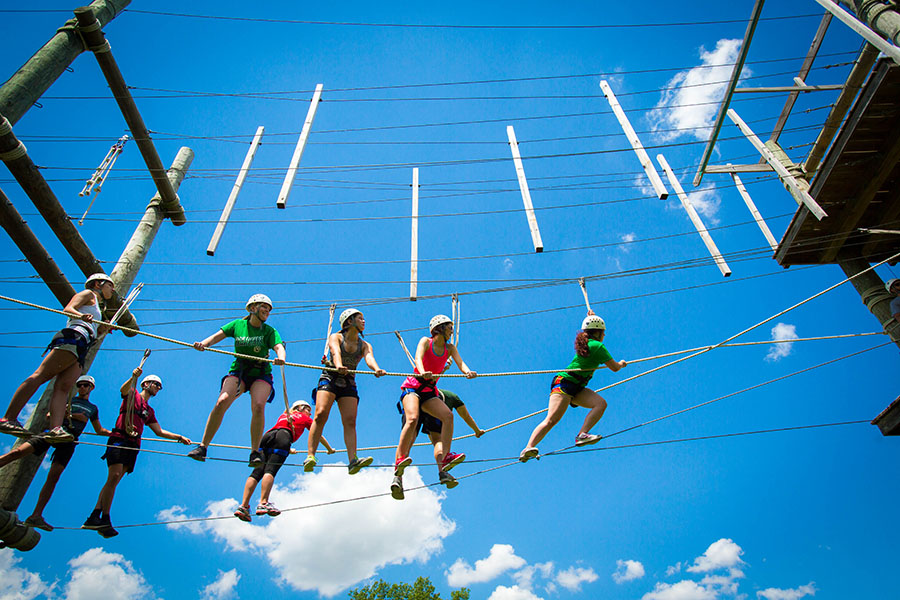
x,y
168,434
370,360
464,413
98,428
454,353
280,354
615,365
211,340
128,386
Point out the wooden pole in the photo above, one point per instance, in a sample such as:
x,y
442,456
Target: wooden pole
x,y
414,248
753,211
298,150
862,29
799,194
232,198
655,180
695,218
523,187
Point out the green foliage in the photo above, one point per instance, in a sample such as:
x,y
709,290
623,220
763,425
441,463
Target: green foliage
x,y
422,589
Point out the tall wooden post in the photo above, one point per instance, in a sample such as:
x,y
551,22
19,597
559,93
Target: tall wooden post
x,y
871,290
16,477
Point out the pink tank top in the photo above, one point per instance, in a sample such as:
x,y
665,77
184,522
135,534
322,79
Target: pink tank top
x,y
432,363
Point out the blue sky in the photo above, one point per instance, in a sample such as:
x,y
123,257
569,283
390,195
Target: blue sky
x,y
780,515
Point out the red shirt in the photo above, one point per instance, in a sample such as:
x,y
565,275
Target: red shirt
x,y
296,424
143,415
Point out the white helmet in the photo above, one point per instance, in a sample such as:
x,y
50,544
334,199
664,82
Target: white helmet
x,y
437,321
151,379
889,283
592,322
86,379
347,314
97,277
258,298
300,404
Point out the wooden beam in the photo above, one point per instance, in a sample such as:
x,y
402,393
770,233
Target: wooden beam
x,y
232,198
753,211
523,187
799,194
298,150
763,168
695,218
655,180
794,89
862,29
414,248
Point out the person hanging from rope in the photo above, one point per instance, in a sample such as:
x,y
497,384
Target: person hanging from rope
x,y
345,348
569,387
83,411
252,336
122,448
419,393
432,427
64,359
276,446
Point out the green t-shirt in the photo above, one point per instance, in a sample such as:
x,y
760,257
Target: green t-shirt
x,y
253,341
451,400
597,355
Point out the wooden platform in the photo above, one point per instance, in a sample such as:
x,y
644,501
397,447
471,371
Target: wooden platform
x,y
858,184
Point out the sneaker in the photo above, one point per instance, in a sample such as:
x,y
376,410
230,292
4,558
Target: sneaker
x,y
13,427
586,439
448,480
198,453
262,509
38,523
451,460
397,488
529,453
271,510
108,531
358,463
94,522
243,513
256,459
399,466
309,464
58,435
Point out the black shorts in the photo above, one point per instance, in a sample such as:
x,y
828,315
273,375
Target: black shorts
x,y
120,451
339,391
427,422
566,386
275,446
62,453
248,380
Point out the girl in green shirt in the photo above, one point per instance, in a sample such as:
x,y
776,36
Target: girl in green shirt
x,y
569,387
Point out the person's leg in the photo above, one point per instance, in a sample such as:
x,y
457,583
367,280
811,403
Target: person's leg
x,y
597,405
348,407
59,400
20,451
265,487
55,362
249,488
440,411
47,489
108,492
324,401
408,433
438,447
232,387
558,405
260,391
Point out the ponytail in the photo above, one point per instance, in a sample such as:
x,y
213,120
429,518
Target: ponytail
x,y
581,344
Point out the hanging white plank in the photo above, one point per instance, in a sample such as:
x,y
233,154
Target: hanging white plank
x,y
695,218
414,249
298,150
649,169
753,211
799,194
232,197
523,187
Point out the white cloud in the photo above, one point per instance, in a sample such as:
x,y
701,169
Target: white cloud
x,y
782,331
573,577
513,593
626,242
502,558
706,202
628,570
525,577
676,568
508,265
99,574
721,554
779,594
690,100
350,540
223,587
683,590
19,583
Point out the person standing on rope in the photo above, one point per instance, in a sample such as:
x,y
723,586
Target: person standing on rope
x,y
419,393
345,348
276,446
64,359
569,387
83,411
254,337
122,447
432,427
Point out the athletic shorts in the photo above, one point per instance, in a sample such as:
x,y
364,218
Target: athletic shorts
x,y
561,385
427,423
62,453
72,341
123,452
327,385
276,447
249,379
